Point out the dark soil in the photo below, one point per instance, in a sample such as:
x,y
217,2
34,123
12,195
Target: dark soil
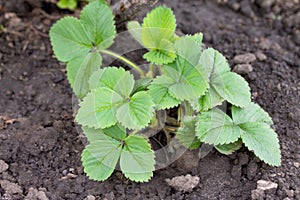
x,y
40,143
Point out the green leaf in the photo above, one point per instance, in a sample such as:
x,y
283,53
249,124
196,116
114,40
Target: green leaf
x,y
137,112
92,134
100,157
141,84
98,20
228,149
263,141
159,91
159,24
98,108
137,159
210,100
197,37
233,88
116,131
80,69
111,101
187,81
215,127
251,113
223,84
67,4
187,134
69,40
164,54
116,79
135,30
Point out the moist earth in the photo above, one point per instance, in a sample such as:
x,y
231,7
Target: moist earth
x,y
40,146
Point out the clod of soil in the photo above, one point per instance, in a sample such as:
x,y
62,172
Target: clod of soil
x,y
184,183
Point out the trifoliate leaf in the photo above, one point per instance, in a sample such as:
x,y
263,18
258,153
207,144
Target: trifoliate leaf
x,y
100,157
228,149
164,54
67,4
98,20
112,101
116,79
137,159
137,112
215,127
159,91
251,113
158,35
159,24
223,84
98,108
233,88
80,69
188,81
263,141
187,134
135,30
69,40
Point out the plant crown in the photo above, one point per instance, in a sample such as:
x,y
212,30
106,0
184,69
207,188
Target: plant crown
x,y
115,107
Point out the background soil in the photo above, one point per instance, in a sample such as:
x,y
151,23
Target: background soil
x,y
39,141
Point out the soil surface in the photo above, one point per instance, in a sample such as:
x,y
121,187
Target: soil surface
x,y
40,147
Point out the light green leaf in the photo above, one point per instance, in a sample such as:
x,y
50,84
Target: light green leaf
x,y
233,88
197,37
159,24
187,82
228,149
159,91
137,159
98,20
187,134
188,52
92,134
100,157
135,30
116,79
116,131
98,108
209,100
80,69
141,84
137,112
67,4
164,54
69,40
215,127
263,141
251,113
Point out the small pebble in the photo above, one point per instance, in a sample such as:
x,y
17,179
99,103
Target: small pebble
x,y
296,164
260,56
244,58
3,166
10,188
90,197
267,186
183,183
243,69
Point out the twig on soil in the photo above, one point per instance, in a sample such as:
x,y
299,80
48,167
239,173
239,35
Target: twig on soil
x,y
125,10
40,11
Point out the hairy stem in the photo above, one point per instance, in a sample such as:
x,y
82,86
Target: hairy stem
x,y
125,60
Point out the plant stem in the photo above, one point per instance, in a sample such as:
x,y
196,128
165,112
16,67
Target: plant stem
x,y
150,73
125,60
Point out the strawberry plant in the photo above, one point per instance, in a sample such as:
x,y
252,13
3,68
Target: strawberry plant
x,y
116,108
